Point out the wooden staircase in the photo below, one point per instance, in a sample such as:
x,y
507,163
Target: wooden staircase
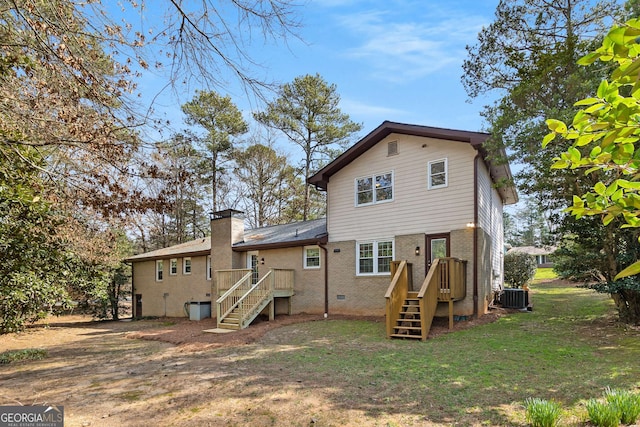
x,y
241,303
409,321
410,314
237,320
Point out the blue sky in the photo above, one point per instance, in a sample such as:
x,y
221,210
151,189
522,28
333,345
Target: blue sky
x,y
390,60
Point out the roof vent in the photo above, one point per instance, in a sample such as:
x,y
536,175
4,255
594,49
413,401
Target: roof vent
x,y
392,148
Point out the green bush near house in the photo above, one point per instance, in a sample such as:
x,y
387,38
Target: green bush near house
x,y
519,269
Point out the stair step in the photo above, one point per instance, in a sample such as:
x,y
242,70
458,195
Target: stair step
x,y
413,323
229,326
408,328
415,337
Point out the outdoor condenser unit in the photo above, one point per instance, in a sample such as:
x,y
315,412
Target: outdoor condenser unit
x,y
514,298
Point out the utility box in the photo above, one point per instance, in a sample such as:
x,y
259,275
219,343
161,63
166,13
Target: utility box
x,y
199,310
514,298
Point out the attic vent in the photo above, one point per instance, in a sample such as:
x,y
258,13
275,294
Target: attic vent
x,y
392,148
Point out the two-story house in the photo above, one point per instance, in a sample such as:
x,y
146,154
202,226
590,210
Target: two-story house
x,y
403,192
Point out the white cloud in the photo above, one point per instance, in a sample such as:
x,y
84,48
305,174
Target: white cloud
x,y
399,46
359,109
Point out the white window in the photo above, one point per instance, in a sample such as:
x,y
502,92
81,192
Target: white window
x,y
374,189
438,176
173,266
186,266
312,257
374,257
159,267
208,267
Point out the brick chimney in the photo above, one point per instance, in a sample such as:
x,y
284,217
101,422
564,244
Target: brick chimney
x,y
227,228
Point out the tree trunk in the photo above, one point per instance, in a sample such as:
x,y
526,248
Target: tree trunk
x,y
628,304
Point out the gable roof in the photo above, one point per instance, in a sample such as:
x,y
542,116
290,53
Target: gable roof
x,y
284,235
498,172
276,236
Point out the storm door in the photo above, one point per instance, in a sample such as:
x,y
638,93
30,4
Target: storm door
x,y
252,263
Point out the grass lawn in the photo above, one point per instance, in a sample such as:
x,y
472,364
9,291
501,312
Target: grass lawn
x,y
334,372
568,349
543,274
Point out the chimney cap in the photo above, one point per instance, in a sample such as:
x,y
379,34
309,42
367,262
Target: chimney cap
x,y
226,213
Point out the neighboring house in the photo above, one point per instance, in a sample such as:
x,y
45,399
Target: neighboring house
x,y
542,254
403,192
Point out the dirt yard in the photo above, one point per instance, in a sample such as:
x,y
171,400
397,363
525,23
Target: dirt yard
x,y
167,372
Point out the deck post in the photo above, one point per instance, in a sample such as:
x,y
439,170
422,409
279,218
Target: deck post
x,y
450,314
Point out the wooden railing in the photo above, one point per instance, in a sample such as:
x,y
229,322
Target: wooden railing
x,y
227,278
428,299
252,303
228,301
248,300
445,281
397,292
453,279
282,279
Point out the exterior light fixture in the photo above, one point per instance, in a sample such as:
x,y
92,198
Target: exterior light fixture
x,y
471,225
417,250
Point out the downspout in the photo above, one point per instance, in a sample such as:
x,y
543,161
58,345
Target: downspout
x,y
326,279
475,235
133,295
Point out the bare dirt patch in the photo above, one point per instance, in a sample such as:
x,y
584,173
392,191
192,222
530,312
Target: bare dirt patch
x,y
168,371
191,335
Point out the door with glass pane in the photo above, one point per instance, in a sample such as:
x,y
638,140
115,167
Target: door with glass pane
x,y
437,247
252,263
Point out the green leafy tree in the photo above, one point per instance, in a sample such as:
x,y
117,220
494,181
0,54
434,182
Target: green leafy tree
x,y
527,56
222,122
519,269
603,136
307,112
36,267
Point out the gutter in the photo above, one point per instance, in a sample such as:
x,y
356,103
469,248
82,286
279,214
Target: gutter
x,y
278,245
475,234
323,246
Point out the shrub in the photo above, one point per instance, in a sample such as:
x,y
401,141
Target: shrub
x,y
542,413
601,414
519,268
26,354
626,403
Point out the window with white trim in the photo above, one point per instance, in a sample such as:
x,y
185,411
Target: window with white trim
x,y
208,267
374,189
173,266
159,268
186,265
374,257
311,257
438,174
